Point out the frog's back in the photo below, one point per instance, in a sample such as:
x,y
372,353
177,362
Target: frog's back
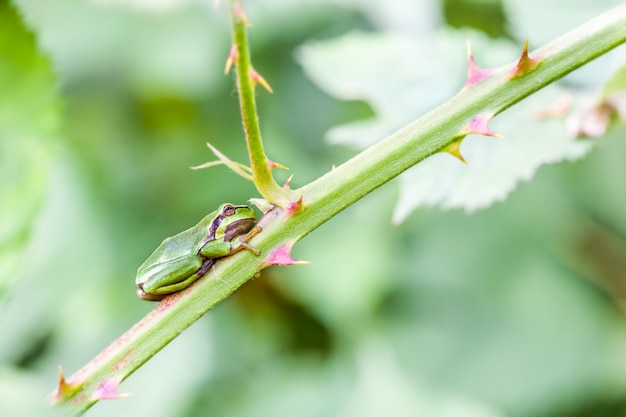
x,y
187,242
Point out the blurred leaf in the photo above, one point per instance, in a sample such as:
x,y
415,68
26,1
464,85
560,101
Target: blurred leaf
x,y
595,116
398,16
486,15
494,166
165,47
21,395
391,72
402,78
368,382
401,395
492,305
29,123
614,94
160,6
447,315
351,281
167,384
541,21
616,83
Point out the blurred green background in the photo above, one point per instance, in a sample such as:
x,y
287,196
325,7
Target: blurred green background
x,y
517,310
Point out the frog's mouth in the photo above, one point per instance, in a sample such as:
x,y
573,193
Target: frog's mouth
x,y
238,228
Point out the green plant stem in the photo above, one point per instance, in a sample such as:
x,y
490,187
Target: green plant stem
x,y
331,193
408,146
261,171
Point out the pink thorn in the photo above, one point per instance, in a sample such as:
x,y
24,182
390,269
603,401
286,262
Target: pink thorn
x,y
240,13
107,390
233,55
479,126
288,182
258,79
272,165
475,74
294,207
525,64
281,256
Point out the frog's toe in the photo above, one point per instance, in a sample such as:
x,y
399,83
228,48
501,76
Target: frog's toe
x,y
148,297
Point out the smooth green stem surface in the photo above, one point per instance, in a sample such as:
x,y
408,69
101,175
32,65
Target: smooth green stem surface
x,y
338,189
403,149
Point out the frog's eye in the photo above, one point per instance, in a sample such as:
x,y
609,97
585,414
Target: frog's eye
x,y
228,211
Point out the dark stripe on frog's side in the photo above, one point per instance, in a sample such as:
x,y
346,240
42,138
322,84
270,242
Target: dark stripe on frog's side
x,y
216,223
213,228
233,230
237,228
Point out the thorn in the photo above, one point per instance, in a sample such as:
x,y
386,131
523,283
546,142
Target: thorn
x,y
256,78
233,55
333,167
525,64
107,390
241,14
479,126
207,165
288,182
294,207
236,167
281,256
64,389
454,149
475,74
273,165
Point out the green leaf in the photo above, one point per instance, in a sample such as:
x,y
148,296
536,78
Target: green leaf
x,y
402,78
29,123
391,72
616,83
494,166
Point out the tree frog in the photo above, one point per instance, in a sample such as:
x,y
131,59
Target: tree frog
x,y
180,260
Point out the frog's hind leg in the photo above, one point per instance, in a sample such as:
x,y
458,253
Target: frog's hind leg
x,y
171,276
206,265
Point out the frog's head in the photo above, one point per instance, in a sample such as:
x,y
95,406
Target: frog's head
x,y
231,221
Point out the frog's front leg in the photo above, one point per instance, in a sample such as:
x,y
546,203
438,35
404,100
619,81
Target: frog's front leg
x,y
168,277
217,248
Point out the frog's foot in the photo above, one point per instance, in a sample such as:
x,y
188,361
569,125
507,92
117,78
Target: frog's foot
x,y
243,240
255,231
148,297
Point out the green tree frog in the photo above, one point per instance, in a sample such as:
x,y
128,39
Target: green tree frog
x,y
180,260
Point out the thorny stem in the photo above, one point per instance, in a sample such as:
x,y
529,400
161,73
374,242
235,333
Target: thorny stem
x,y
261,171
437,129
331,193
